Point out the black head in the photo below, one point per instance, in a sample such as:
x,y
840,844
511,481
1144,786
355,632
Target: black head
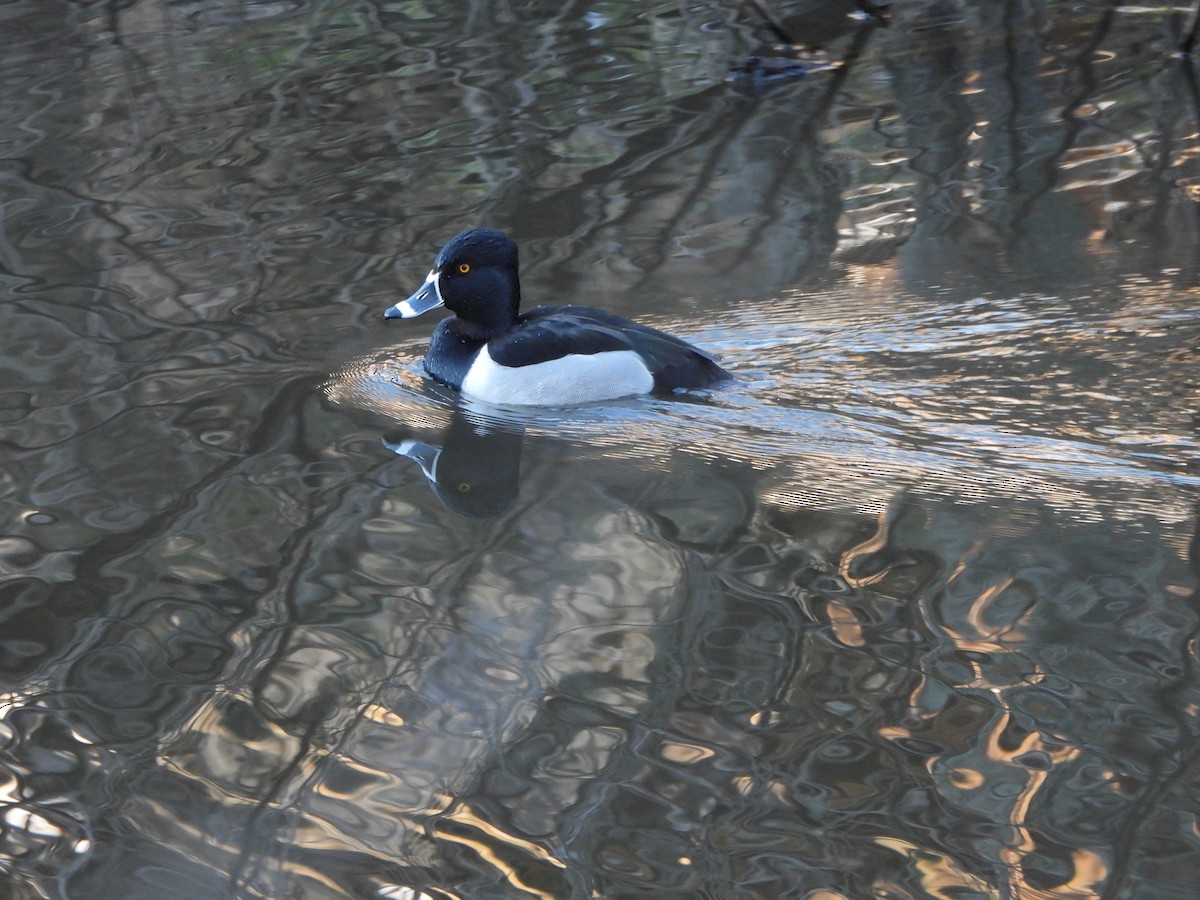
x,y
475,277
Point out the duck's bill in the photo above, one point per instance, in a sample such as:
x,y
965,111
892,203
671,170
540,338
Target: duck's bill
x,y
423,300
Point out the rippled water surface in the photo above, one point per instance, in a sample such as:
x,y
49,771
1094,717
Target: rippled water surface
x,y
908,610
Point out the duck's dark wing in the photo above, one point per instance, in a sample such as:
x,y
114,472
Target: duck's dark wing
x,y
550,332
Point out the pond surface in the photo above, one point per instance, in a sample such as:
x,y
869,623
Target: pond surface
x,y
909,610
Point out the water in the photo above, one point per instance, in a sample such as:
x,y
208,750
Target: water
x,y
908,610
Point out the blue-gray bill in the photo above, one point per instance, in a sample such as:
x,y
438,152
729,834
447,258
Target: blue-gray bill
x,y
425,298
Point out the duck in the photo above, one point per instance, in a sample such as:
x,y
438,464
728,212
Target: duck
x,y
556,355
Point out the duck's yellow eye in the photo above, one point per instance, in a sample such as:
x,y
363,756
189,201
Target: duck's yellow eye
x,y
463,487
464,268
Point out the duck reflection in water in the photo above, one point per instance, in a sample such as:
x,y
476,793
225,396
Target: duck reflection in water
x,y
476,465
476,470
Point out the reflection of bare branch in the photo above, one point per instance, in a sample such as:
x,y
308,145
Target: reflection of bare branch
x,y
1190,28
1072,123
756,180
1177,766
256,835
776,26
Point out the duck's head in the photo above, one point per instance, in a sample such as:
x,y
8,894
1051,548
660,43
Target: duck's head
x,y
475,277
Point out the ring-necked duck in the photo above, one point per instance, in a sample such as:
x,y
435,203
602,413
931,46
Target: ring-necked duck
x,y
550,356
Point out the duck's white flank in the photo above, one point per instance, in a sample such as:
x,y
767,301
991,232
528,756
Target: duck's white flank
x,y
575,378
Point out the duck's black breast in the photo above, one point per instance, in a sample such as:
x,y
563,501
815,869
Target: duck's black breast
x,y
450,354
552,332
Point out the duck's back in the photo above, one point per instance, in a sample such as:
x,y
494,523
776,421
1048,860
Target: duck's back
x,y
551,333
